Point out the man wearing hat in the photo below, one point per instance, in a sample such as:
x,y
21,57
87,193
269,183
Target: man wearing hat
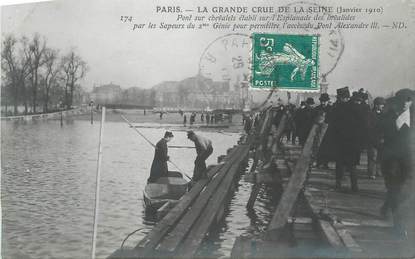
x,y
297,120
324,106
159,166
203,149
305,121
357,97
397,164
346,127
324,109
375,137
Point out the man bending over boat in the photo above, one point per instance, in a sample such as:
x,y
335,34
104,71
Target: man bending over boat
x,y
203,149
159,165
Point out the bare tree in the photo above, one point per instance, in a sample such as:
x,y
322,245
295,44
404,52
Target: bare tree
x,y
75,69
34,52
51,76
57,91
15,66
33,73
9,66
5,92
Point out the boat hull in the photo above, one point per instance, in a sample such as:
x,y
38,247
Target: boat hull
x,y
165,189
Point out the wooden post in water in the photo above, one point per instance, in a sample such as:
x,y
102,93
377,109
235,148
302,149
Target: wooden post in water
x,y
293,188
276,139
61,118
259,148
92,115
98,179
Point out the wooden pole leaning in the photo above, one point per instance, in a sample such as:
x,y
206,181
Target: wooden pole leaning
x,y
98,180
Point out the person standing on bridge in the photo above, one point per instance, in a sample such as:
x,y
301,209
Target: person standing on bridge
x,y
247,123
324,152
396,159
192,118
305,120
375,138
297,119
347,124
159,166
203,149
184,120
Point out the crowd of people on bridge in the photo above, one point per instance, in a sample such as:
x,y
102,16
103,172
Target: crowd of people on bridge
x,y
382,128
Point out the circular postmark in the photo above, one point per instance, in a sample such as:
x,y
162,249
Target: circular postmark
x,y
227,59
331,41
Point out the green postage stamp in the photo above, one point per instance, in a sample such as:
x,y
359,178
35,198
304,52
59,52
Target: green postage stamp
x,y
285,61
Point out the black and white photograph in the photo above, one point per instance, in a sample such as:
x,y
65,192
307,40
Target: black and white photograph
x,y
207,129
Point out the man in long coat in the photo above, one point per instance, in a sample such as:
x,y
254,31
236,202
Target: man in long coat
x,y
375,137
324,153
306,118
159,166
247,123
297,119
396,161
347,123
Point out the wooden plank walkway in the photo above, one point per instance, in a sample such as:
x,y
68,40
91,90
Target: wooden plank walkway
x,y
294,186
356,216
333,223
182,230
312,219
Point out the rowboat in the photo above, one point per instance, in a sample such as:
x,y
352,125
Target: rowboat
x,y
165,189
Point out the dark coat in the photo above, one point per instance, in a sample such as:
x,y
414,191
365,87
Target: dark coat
x,y
364,110
290,125
325,152
277,117
304,121
247,124
347,130
397,164
159,166
320,109
374,127
396,142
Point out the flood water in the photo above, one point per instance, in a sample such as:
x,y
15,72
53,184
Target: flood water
x,y
48,189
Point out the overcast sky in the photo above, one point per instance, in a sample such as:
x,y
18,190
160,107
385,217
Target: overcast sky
x,y
379,61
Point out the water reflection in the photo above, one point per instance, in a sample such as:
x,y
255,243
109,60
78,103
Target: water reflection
x,y
48,184
240,221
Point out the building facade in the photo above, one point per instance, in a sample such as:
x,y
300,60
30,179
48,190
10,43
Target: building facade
x,y
106,94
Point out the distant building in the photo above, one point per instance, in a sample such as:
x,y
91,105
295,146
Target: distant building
x,y
138,97
167,94
80,96
198,92
106,94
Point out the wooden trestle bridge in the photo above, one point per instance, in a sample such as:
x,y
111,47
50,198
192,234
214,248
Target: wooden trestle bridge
x,y
312,219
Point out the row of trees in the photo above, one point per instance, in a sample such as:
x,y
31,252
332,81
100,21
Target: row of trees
x,y
34,74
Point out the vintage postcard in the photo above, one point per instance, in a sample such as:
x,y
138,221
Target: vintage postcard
x,y
207,129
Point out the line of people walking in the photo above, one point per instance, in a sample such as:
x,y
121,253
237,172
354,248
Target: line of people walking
x,y
207,118
383,130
